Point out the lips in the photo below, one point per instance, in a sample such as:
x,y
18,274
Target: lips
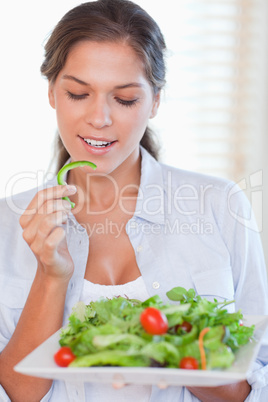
x,y
98,146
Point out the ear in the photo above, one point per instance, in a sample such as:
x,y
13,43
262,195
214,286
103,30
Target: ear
x,y
155,105
51,96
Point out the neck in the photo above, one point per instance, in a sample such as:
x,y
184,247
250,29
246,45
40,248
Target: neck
x,y
102,192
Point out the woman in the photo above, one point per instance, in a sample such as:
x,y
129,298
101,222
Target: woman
x,y
138,227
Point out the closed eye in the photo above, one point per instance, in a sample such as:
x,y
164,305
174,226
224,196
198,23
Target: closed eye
x,y
123,102
76,97
127,103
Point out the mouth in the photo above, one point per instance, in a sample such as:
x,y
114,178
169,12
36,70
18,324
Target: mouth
x,y
97,144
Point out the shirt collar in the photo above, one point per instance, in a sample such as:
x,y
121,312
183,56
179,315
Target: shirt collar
x,y
150,201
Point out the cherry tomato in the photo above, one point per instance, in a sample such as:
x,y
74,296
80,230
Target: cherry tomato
x,y
64,356
154,321
189,363
185,326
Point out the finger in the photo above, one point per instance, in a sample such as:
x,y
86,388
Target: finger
x,y
49,256
49,208
50,193
41,226
43,196
118,385
119,381
53,205
162,384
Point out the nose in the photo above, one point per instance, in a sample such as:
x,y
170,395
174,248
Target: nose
x,y
99,113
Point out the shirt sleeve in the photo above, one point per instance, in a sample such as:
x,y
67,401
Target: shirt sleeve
x,y
13,294
241,236
4,397
242,239
3,342
258,380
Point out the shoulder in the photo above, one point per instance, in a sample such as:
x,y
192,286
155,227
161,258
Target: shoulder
x,y
193,189
177,177
17,259
219,197
188,186
13,206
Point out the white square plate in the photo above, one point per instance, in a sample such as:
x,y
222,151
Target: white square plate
x,y
40,363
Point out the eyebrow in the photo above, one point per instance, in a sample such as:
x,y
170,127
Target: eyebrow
x,y
130,85
72,78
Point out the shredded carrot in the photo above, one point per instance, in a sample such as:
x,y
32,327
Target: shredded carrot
x,y
201,348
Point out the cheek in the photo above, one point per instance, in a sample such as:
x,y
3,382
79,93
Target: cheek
x,y
137,120
132,128
66,115
140,120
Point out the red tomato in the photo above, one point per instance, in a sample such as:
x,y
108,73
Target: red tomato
x,y
185,326
154,321
64,356
189,363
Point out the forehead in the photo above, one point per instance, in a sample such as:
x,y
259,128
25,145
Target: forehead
x,y
116,60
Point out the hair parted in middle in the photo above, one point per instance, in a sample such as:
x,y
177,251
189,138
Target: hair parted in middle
x,y
108,21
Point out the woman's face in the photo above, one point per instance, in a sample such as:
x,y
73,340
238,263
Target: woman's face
x,y
103,102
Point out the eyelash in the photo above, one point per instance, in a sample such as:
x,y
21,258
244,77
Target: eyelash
x,y
121,102
76,97
127,103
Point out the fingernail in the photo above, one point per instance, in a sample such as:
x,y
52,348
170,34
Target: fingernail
x,y
67,205
118,385
162,385
71,189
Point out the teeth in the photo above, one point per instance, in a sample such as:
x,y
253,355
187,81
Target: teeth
x,y
95,143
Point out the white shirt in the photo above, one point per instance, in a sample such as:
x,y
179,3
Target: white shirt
x,y
131,393
188,230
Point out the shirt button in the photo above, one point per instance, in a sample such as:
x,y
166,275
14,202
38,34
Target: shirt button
x,y
133,225
156,285
139,249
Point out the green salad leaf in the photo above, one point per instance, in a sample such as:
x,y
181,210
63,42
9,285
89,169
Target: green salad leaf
x,y
108,332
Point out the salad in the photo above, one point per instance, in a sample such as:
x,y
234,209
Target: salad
x,y
192,333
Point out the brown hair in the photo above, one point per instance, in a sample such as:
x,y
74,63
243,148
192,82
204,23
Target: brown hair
x,y
108,20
